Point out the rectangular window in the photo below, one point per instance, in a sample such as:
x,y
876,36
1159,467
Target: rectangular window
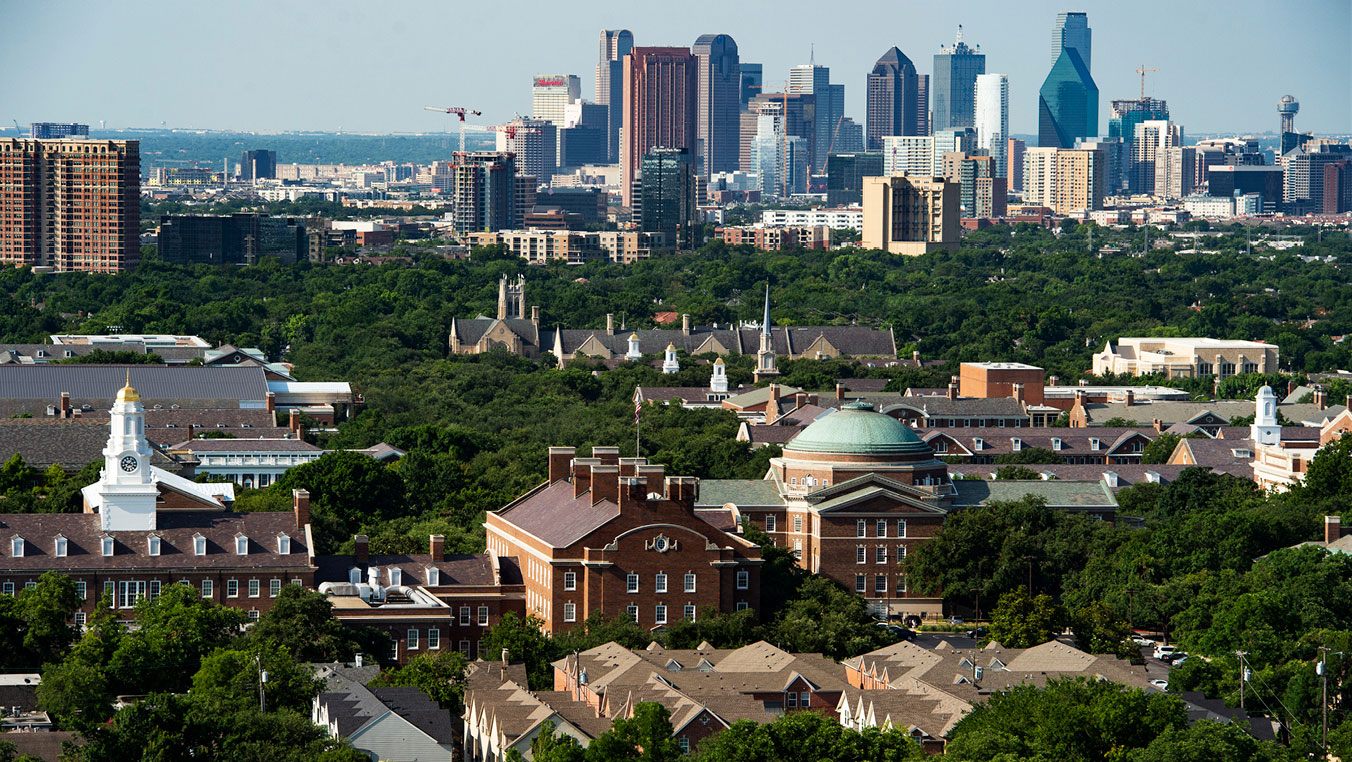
x,y
253,588
433,576
740,605
861,528
689,612
129,592
882,527
570,580
232,588
61,547
394,649
274,588
79,619
464,647
880,554
464,616
797,523
901,552
632,611
880,584
30,586
901,527
570,612
16,547
770,523
433,639
154,589
791,700
684,743
483,616
199,546
253,615
802,701
660,614
901,583
109,592
631,583
661,584
283,545
295,581
743,580
8,588
412,640
208,588
690,583
241,546
860,584
154,548
860,554
81,590
107,546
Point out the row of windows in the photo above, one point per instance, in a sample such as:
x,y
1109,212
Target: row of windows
x,y
125,593
154,545
879,584
880,528
413,641
659,612
879,554
660,583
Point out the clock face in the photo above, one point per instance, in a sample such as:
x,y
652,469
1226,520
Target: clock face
x,y
129,464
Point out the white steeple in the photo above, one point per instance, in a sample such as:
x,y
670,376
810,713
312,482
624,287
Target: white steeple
x,y
719,381
1265,429
765,357
670,364
634,353
126,488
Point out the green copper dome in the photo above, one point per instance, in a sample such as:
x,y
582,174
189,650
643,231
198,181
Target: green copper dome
x,y
856,428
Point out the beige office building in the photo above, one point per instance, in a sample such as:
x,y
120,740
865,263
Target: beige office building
x,y
1185,358
908,214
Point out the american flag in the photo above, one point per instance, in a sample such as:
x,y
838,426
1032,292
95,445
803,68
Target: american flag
x,y
637,407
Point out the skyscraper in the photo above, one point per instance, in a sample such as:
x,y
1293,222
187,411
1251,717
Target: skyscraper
x,y
1125,114
667,196
829,107
660,103
892,98
1152,138
551,94
1014,149
259,164
923,124
718,129
992,118
535,144
954,84
1072,31
615,45
483,191
910,215
845,173
70,204
1067,103
752,81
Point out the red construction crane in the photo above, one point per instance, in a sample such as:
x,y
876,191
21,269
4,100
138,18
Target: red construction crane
x,y
460,112
510,130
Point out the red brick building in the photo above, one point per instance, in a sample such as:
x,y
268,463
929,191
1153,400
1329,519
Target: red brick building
x,y
616,535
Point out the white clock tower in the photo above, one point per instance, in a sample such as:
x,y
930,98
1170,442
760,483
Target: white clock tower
x,y
126,489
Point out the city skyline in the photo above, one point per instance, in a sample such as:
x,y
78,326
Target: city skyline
x,y
270,77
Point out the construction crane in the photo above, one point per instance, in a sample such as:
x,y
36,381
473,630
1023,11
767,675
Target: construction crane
x,y
510,130
1142,72
460,112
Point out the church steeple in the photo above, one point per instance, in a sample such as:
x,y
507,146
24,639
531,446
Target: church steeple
x,y
126,487
765,356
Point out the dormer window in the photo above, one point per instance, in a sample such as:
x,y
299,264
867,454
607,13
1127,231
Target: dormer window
x,y
241,545
433,576
283,545
396,576
1094,443
199,545
107,546
154,545
1017,443
16,547
61,545
1056,443
977,444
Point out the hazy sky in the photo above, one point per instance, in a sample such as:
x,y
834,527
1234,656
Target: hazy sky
x,y
372,66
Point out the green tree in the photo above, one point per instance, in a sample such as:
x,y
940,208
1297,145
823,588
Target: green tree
x,y
1207,741
807,737
1118,422
1098,631
78,691
1160,448
827,619
1016,473
16,475
524,639
440,675
229,678
1020,621
173,633
1329,475
302,622
644,737
1029,456
551,746
46,611
346,489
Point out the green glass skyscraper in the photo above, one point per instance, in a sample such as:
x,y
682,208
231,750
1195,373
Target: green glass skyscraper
x,y
1067,103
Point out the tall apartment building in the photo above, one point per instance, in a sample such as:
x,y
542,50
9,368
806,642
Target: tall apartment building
x,y
991,119
717,128
1114,158
924,124
893,100
952,140
615,45
954,84
1303,187
1014,149
484,191
845,173
258,164
70,204
828,110
909,155
54,130
752,79
660,102
910,215
535,143
1039,176
1153,137
1064,180
1175,170
582,137
1125,114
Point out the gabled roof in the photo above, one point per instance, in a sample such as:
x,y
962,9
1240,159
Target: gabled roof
x,y
553,514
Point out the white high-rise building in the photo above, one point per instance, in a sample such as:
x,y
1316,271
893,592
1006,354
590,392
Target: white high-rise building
x,y
1039,176
908,155
765,154
552,93
992,118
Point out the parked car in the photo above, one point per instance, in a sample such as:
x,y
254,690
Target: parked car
x,y
1161,684
1142,640
897,632
977,632
1164,653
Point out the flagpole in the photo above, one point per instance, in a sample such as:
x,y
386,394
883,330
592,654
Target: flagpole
x,y
638,406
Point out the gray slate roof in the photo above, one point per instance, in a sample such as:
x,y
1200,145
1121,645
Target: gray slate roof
x,y
69,443
1057,493
470,330
97,385
850,340
741,492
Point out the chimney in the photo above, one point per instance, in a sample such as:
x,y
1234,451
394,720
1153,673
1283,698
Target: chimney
x,y
633,491
582,468
190,432
685,323
1333,528
772,404
840,391
629,466
560,463
300,503
1129,397
609,456
1159,426
1290,387
1320,398
293,421
272,402
953,387
915,357
1017,390
683,490
605,483
65,404
1055,380
610,324
655,473
363,548
437,547
535,315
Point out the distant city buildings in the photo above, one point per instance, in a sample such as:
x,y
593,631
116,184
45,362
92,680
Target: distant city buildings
x,y
57,130
238,239
991,119
484,191
667,196
893,98
953,91
615,45
70,204
259,164
717,129
845,173
1185,357
534,142
828,108
1067,103
1072,31
910,215
1064,180
660,102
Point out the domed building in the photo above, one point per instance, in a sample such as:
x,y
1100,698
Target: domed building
x,y
852,442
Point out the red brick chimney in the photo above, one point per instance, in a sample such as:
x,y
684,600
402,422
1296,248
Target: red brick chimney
x,y
609,456
190,432
633,491
437,546
1333,528
582,468
363,548
915,357
272,402
953,387
655,473
1054,380
293,421
1320,398
605,483
629,466
1129,397
1159,426
840,391
65,404
300,504
683,490
1017,390
560,463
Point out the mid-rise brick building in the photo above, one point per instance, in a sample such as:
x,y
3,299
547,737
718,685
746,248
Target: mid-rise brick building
x,y
70,204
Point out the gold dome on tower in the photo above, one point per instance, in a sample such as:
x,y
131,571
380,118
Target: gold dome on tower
x,y
128,393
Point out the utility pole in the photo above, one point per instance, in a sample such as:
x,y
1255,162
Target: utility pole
x,y
262,678
1242,676
1324,678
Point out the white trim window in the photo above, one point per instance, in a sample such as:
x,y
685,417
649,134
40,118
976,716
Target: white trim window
x,y
153,545
232,588
255,588
483,616
882,527
570,581
631,583
82,590
660,614
860,554
743,579
660,582
860,528
274,588
901,528
241,545
208,588
108,546
283,545
61,546
16,546
433,639
570,612
632,611
199,545
770,522
412,640
690,581
689,612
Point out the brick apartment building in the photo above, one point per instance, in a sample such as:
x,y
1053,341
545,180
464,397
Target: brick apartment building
x,y
616,535
70,204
